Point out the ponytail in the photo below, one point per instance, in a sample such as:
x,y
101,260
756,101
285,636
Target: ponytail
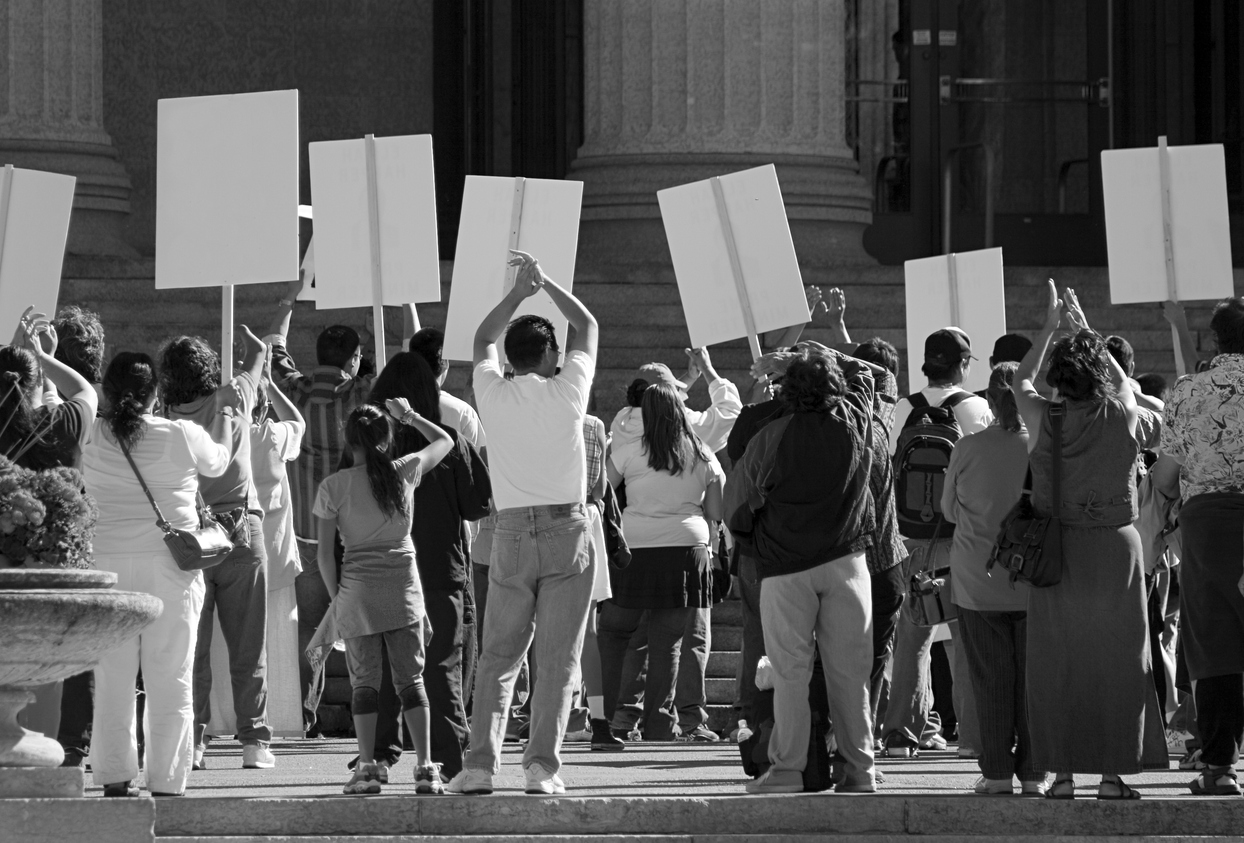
x,y
129,383
1002,399
370,429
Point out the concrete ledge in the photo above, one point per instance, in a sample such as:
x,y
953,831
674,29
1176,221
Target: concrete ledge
x,y
708,838
77,820
42,783
698,818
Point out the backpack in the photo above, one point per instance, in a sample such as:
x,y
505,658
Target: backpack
x,y
920,460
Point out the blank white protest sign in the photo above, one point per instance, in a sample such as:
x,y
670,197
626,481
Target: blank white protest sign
x,y
34,222
227,190
697,237
962,290
545,215
406,201
1200,233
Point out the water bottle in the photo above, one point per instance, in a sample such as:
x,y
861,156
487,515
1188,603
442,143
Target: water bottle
x,y
743,733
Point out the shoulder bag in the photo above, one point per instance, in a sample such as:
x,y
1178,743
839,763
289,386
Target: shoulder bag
x,y
1028,547
929,591
193,550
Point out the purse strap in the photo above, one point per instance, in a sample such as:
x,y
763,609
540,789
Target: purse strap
x,y
1057,411
160,520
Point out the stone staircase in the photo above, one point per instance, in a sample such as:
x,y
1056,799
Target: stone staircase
x,y
723,665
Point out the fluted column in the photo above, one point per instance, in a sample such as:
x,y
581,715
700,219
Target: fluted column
x,y
51,112
678,90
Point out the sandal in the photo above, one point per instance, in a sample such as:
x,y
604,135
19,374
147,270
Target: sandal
x,y
1125,793
1062,789
1215,782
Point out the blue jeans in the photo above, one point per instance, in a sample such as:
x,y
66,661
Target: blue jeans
x,y
539,587
690,694
666,629
238,589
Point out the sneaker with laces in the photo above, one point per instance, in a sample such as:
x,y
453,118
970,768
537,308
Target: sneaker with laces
x,y
382,771
994,787
257,757
542,781
470,780
364,782
428,779
777,781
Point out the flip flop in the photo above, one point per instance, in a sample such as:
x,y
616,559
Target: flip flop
x,y
1062,789
1125,793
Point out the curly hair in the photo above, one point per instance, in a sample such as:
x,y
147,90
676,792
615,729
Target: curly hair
x,y
1078,367
813,383
128,385
189,370
81,341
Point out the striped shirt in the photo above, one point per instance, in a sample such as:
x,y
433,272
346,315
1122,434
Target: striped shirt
x,y
594,451
325,397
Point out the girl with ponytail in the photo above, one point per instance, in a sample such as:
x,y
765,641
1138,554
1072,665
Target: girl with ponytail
x,y
377,594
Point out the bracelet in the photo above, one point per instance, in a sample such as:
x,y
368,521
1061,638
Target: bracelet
x,y
227,412
409,416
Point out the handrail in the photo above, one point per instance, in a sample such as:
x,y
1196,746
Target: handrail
x,y
1062,181
947,203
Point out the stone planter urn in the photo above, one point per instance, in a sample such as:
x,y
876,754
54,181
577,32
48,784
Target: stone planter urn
x,y
54,623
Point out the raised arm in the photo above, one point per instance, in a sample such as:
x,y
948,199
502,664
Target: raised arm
x,y
284,409
254,357
586,331
439,442
786,337
285,309
1031,404
526,284
71,385
410,324
1123,390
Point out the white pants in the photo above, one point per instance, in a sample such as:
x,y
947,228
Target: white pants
x,y
165,653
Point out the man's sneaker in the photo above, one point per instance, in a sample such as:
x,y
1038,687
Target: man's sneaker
x,y
1177,740
701,734
994,787
777,781
198,763
542,781
382,771
364,782
257,757
1192,760
470,780
1034,788
934,742
850,785
428,779
900,744
581,736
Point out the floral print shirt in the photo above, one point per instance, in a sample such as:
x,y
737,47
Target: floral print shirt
x,y
1204,428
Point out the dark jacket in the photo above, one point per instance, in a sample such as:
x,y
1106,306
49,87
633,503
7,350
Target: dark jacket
x,y
799,497
454,492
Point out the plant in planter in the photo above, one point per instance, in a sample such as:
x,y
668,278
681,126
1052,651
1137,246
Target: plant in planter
x,y
46,519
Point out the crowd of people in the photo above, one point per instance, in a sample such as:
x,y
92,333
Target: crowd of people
x,y
455,548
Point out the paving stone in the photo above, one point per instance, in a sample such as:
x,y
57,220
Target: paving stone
x,y
77,820
41,782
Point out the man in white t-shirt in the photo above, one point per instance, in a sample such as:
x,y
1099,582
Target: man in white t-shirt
x,y
907,726
541,577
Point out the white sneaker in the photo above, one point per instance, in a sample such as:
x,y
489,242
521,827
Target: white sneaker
x,y
542,781
776,781
197,763
994,787
470,780
1034,788
382,771
256,757
365,781
584,736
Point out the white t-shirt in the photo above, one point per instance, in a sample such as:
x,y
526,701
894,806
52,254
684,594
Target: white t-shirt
x,y
663,509
535,432
972,413
462,417
171,455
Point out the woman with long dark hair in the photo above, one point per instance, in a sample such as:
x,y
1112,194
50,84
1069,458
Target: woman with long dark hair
x,y
983,481
452,493
674,491
170,456
1092,707
377,594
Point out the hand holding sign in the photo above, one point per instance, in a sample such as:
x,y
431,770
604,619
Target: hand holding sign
x,y
530,278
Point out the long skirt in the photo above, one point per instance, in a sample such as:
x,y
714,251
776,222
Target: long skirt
x,y
1092,705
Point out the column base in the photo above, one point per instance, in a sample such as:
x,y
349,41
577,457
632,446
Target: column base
x,y
20,747
101,201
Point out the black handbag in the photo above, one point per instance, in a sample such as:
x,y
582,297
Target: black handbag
x,y
1028,547
192,550
929,589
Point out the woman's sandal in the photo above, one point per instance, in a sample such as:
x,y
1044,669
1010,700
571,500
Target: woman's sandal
x,y
1125,793
1062,789
1215,781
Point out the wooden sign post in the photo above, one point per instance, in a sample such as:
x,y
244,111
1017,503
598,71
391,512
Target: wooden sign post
x,y
537,216
1167,232
738,275
35,208
961,290
227,196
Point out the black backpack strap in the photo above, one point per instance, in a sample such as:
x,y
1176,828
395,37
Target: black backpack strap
x,y
917,401
955,399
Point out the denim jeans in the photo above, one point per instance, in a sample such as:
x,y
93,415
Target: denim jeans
x,y
753,637
690,696
442,679
889,591
313,601
539,587
911,686
629,710
470,644
666,629
238,589
829,608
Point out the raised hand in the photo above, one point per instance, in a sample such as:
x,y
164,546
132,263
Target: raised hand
x,y
397,407
530,278
1053,308
1173,312
773,364
837,305
1075,313
816,300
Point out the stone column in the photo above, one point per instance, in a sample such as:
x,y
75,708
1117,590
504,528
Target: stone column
x,y
680,90
51,113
